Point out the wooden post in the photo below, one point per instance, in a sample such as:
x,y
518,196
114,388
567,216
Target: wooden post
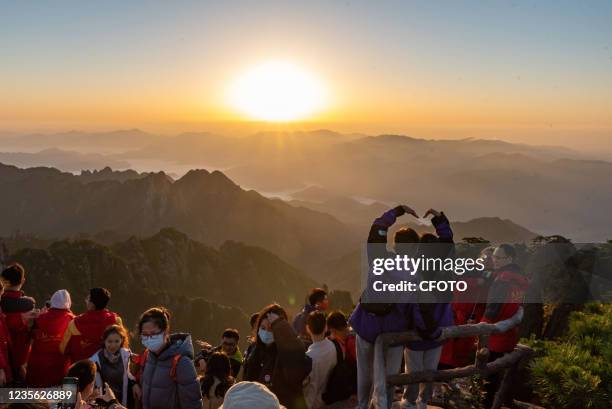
x,y
506,361
481,365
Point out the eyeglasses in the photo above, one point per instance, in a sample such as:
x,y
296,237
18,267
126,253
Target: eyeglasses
x,y
150,336
229,344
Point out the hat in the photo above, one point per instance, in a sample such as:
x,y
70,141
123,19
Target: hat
x,y
61,300
250,395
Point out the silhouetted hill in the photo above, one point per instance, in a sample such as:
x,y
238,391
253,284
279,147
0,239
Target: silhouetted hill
x,y
346,209
206,289
107,173
207,206
548,189
551,189
113,141
67,161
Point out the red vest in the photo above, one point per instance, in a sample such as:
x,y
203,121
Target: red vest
x,y
47,366
5,341
91,326
517,284
459,352
14,303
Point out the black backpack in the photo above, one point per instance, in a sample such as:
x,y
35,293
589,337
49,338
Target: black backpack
x,y
342,382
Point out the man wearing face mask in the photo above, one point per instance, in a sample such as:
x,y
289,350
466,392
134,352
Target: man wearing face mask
x,y
279,358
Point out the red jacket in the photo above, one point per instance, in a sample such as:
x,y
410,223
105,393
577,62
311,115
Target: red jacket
x,y
14,304
459,352
83,337
5,341
47,366
505,298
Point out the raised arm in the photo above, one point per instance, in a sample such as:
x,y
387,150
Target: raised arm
x,y
442,225
291,351
378,231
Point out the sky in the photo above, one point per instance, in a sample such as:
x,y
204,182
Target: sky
x,y
533,71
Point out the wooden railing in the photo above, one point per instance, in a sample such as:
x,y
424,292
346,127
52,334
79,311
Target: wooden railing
x,y
481,365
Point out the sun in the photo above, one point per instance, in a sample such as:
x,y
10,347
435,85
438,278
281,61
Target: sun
x,y
278,91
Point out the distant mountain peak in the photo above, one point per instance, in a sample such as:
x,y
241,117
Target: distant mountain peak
x,y
397,138
198,176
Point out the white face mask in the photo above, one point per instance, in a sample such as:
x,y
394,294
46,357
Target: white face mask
x,y
153,342
267,337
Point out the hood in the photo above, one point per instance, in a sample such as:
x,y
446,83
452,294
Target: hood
x,y
180,344
61,300
250,395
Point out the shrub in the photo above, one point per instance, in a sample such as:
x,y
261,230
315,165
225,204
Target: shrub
x,y
576,371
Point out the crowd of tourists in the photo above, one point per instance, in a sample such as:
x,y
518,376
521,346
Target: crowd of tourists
x,y
310,361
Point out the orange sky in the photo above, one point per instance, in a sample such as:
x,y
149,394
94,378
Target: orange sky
x,y
540,73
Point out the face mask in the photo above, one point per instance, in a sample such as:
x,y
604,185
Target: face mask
x,y
153,343
267,337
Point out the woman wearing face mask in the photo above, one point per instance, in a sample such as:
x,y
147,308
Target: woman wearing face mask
x,y
279,358
168,377
112,363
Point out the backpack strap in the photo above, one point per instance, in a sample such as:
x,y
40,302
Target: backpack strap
x,y
175,360
99,371
339,354
143,361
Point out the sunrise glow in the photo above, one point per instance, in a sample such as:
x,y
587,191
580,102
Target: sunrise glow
x,y
278,91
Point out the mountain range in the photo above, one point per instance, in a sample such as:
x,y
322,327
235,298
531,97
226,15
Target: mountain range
x,y
206,289
549,189
207,206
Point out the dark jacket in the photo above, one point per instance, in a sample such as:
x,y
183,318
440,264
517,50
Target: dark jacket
x,y
236,359
282,366
299,322
159,389
508,286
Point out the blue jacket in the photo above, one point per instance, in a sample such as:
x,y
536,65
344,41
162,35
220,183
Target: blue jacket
x,y
159,389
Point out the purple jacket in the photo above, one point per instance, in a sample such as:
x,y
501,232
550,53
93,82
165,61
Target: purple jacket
x,y
441,315
369,326
402,317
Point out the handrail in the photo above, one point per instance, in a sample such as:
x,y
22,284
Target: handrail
x,y
482,330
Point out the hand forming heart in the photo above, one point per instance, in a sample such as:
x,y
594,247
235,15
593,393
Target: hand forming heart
x,y
409,210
